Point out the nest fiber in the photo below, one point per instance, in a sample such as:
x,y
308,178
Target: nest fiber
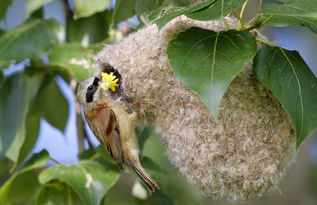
x,y
245,152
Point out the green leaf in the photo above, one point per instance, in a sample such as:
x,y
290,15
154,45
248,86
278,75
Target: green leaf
x,y
73,57
169,14
106,159
37,160
143,134
176,188
3,8
207,61
2,32
21,186
179,2
32,127
88,179
29,40
123,10
104,154
159,198
33,5
55,106
84,8
155,150
287,75
89,30
16,93
287,12
4,64
148,163
5,166
145,6
217,10
38,14
58,193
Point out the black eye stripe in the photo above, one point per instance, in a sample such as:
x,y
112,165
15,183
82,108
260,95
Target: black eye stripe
x,y
89,97
91,91
96,81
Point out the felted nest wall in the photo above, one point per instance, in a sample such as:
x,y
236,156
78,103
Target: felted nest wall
x,y
246,152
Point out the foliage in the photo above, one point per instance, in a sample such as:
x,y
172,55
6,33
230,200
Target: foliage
x,y
207,54
290,79
204,60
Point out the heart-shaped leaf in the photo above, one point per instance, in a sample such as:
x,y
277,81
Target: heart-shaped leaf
x,y
287,75
29,40
207,61
88,179
284,13
84,8
73,57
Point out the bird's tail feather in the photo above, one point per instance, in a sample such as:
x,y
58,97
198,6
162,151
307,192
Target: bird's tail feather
x,y
150,183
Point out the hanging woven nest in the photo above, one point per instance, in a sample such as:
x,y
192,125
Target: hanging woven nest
x,y
245,152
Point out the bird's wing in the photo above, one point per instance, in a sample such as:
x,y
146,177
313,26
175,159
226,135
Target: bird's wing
x,y
103,123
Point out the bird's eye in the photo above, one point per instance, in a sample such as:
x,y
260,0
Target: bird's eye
x,y
91,87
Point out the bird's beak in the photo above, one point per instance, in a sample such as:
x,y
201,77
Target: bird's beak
x,y
99,85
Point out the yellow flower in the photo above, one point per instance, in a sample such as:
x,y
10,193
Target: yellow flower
x,y
109,81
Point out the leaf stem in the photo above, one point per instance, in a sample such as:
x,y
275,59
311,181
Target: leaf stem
x,y
54,160
243,8
265,42
240,24
226,23
260,7
95,156
240,16
255,19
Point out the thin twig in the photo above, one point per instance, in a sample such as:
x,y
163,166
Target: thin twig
x,y
80,124
68,15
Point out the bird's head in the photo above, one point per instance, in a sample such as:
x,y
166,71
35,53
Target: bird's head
x,y
93,89
89,90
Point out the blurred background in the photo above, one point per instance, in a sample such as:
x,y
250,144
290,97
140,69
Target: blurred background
x,y
299,186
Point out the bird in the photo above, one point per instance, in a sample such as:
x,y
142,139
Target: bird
x,y
112,124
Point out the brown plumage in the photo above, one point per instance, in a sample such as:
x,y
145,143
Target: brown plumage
x,y
113,126
103,124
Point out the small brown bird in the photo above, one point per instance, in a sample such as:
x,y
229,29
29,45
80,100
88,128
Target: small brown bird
x,y
112,125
